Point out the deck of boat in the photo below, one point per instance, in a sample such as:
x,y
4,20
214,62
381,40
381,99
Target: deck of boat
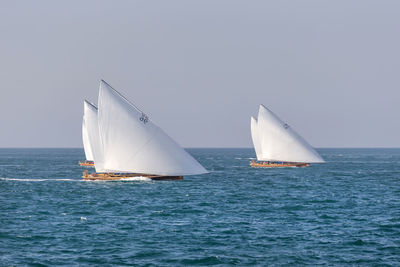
x,y
257,164
121,176
86,163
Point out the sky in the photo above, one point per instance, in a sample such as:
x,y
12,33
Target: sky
x,y
199,69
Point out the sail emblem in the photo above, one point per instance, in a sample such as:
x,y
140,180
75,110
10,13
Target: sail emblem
x,y
286,126
144,118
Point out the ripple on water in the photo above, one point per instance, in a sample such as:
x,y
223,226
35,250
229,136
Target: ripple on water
x,y
344,212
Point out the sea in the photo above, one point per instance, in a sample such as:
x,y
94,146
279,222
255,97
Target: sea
x,y
345,212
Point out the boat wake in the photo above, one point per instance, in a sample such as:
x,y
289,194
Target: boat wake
x,y
135,178
35,179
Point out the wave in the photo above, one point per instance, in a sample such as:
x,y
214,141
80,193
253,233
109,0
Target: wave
x,y
124,179
136,178
35,179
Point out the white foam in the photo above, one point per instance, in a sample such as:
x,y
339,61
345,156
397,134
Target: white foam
x,y
136,178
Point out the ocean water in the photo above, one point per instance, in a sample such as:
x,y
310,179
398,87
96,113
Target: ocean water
x,y
344,212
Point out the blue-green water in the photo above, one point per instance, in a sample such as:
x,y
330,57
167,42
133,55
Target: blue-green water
x,y
344,212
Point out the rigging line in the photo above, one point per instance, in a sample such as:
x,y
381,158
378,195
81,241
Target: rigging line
x,y
90,104
124,98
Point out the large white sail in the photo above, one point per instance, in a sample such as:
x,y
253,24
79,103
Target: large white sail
x,y
86,142
279,142
92,127
133,143
255,138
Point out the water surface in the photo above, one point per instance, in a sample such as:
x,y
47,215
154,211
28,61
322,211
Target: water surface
x,y
346,211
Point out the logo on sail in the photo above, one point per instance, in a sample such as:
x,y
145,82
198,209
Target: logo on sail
x,y
144,118
286,126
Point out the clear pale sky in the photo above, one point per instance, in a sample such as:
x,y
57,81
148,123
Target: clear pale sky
x,y
199,69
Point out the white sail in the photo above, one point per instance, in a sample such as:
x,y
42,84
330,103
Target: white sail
x,y
86,142
254,136
279,142
133,143
92,127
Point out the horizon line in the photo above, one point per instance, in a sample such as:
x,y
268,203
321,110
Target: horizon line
x,y
206,147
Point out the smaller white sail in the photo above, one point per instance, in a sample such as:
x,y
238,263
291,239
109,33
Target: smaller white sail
x,y
92,127
86,142
254,136
279,142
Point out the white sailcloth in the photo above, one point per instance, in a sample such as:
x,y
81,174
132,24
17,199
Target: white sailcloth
x,y
254,136
92,127
133,143
86,142
279,142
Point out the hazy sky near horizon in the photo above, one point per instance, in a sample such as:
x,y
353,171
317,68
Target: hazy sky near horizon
x,y
200,69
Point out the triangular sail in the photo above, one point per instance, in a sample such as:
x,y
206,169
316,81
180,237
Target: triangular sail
x,y
279,142
255,138
86,142
92,127
133,143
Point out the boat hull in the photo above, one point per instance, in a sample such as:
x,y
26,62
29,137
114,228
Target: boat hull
x,y
257,164
121,176
86,163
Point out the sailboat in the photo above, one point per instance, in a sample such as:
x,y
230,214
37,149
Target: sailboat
x,y
130,144
87,147
277,145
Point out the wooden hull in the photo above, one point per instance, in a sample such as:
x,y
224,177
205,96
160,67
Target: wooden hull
x,y
257,164
121,176
86,163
